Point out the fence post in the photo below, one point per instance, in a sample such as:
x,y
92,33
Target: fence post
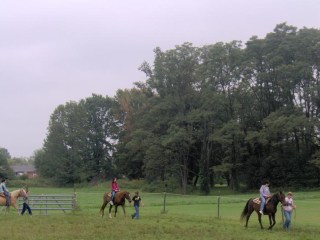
x,y
74,203
164,198
219,204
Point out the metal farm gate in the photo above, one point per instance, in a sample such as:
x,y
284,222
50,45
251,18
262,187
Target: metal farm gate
x,y
42,204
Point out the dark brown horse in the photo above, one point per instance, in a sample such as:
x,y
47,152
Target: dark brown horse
x,y
270,209
119,200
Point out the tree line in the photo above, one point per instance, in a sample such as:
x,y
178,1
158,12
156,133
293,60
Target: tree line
x,y
225,112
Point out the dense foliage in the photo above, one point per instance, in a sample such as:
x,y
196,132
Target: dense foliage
x,y
5,170
221,112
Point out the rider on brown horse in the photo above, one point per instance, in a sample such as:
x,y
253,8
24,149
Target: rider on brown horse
x,y
114,189
264,195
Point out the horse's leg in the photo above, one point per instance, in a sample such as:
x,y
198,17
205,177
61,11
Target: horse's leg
x,y
124,210
250,210
110,211
274,221
13,204
104,204
247,220
270,221
259,218
5,209
115,210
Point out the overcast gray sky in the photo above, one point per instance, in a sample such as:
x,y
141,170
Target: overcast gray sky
x,y
55,51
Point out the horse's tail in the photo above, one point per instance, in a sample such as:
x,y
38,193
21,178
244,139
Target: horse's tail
x,y
245,210
104,204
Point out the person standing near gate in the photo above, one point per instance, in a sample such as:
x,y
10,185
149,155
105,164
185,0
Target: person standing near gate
x,y
264,194
287,210
4,190
26,205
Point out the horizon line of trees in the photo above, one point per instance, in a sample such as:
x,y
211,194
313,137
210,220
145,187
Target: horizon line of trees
x,y
221,112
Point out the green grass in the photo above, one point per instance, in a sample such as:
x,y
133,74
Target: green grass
x,y
186,217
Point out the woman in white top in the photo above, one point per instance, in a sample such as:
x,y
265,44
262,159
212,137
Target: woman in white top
x,y
287,210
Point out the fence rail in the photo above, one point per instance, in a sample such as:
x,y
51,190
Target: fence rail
x,y
48,202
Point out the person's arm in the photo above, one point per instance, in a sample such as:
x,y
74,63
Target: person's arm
x,y
5,188
261,190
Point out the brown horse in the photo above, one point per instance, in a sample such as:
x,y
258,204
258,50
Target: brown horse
x,y
119,200
13,198
270,209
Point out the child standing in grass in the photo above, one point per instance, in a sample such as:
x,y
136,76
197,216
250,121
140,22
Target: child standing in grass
x,y
136,203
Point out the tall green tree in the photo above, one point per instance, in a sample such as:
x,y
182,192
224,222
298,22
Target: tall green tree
x,y
80,142
5,170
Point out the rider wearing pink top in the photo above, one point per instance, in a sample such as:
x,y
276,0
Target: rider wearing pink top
x,y
114,188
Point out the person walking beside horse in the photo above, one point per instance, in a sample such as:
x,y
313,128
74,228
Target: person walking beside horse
x,y
137,202
26,204
287,210
114,189
4,190
264,195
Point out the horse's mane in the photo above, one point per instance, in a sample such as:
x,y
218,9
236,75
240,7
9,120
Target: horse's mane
x,y
125,194
16,192
275,197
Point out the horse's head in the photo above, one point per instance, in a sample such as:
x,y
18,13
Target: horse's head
x,y
19,193
22,193
281,197
127,196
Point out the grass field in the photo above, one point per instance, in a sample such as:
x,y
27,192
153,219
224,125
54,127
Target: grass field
x,y
186,217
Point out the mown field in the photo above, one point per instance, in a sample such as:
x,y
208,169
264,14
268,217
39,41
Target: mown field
x,y
186,217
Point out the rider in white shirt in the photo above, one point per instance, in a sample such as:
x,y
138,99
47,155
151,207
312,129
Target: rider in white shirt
x,y
5,191
264,194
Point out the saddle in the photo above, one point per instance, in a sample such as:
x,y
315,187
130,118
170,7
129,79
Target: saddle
x,y
258,200
2,195
109,194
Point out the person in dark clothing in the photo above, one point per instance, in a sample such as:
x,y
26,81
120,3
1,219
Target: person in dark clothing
x,y
137,202
26,205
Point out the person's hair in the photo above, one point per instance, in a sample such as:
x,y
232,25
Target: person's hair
x,y
114,179
290,193
137,193
3,179
266,182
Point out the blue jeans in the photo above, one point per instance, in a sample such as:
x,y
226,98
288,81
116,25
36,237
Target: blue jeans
x,y
287,222
26,207
263,202
112,195
7,194
136,215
